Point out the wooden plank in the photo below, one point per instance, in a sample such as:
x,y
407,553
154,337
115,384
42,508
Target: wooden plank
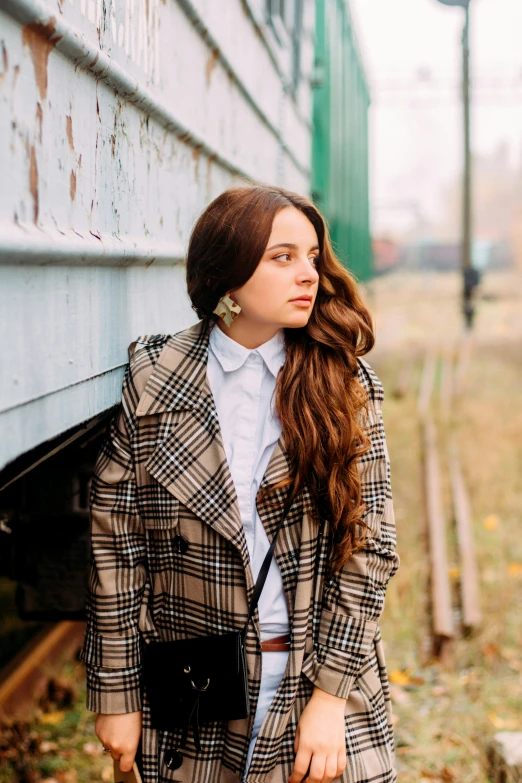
x,y
442,615
24,678
469,575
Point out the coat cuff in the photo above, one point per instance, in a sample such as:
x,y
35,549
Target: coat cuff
x,y
113,669
344,644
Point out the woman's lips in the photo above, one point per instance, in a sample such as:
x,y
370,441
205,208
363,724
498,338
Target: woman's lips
x,y
301,302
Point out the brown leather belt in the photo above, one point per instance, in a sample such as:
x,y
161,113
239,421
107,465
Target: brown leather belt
x,y
277,644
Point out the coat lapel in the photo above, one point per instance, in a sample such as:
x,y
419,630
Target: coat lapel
x,y
189,456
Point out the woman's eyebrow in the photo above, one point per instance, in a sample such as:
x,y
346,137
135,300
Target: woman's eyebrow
x,y
291,245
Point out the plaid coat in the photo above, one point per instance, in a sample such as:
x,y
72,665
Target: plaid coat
x,y
162,472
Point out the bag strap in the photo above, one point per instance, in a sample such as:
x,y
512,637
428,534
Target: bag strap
x,y
263,573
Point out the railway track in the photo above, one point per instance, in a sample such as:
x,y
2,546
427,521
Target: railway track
x,y
451,611
24,679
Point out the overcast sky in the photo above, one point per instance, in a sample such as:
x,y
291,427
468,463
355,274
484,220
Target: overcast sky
x,y
412,55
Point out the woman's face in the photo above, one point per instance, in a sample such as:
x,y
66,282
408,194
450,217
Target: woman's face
x,y
287,271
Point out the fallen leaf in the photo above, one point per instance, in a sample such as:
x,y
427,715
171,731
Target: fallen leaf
x,y
417,680
454,572
502,723
400,676
491,522
490,651
515,569
444,774
52,717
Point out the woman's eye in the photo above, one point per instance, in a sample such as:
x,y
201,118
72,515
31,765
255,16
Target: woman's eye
x,y
286,256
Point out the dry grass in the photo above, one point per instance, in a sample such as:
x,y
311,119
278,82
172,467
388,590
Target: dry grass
x,y
444,719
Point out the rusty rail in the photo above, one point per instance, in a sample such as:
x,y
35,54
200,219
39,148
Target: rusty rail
x,y
441,604
469,574
453,382
23,680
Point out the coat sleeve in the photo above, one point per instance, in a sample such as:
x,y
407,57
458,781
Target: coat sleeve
x,y
353,599
111,649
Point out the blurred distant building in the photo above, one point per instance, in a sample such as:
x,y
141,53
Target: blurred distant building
x,y
446,256
387,255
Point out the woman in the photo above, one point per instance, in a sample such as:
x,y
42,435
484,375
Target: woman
x,y
264,400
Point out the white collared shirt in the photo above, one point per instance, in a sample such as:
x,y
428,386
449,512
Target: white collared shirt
x,y
242,381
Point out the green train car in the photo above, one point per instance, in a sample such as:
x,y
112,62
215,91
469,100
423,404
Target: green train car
x,y
340,169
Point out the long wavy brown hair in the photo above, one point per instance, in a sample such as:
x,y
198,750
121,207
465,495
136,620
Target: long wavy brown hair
x,y
317,396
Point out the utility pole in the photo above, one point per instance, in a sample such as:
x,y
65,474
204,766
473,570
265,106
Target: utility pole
x,y
470,276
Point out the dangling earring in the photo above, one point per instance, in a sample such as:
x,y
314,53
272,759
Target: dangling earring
x,y
227,309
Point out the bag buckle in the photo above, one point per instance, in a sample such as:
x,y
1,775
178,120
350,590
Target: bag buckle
x,y
187,670
202,688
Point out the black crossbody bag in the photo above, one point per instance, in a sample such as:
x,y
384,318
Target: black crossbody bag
x,y
202,679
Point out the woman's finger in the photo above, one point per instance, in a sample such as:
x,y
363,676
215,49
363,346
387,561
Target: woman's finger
x,y
126,761
301,764
317,768
330,769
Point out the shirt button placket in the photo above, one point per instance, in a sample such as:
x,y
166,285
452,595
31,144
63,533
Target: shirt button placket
x,y
247,421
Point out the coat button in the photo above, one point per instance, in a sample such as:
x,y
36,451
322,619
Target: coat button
x,y
173,759
180,544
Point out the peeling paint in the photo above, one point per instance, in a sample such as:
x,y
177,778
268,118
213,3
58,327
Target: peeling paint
x,y
211,64
40,42
133,26
72,189
196,155
69,130
33,182
39,120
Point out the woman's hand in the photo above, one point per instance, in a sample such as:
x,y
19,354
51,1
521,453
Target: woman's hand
x,y
121,734
320,743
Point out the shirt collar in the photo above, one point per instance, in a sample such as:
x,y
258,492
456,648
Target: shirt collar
x,y
232,355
